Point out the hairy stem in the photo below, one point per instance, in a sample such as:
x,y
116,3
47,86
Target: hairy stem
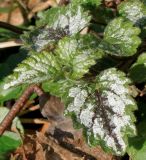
x,y
19,105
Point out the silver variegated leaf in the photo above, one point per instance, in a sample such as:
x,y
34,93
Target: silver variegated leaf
x,y
35,69
43,38
104,109
53,25
120,38
71,18
134,10
77,54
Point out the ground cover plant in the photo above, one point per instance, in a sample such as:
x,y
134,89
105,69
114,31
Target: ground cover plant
x,y
92,55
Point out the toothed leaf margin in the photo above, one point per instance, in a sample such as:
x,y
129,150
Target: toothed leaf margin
x,y
104,110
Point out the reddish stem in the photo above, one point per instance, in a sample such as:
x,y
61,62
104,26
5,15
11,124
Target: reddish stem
x,y
19,105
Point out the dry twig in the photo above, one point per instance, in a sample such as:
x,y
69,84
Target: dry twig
x,y
18,106
12,43
31,109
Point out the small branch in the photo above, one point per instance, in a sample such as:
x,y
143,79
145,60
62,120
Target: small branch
x,y
34,121
19,105
31,109
24,10
10,10
12,27
12,43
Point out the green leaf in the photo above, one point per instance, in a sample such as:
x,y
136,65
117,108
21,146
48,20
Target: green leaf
x,y
102,15
88,2
72,59
58,88
4,9
35,69
7,67
137,145
137,151
9,142
138,70
134,10
104,110
71,19
77,54
103,63
120,38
